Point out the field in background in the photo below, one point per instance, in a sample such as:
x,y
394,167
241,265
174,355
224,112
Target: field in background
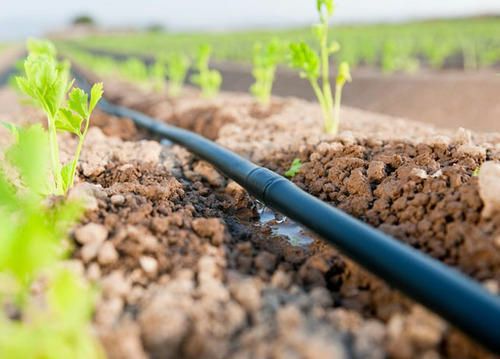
x,y
461,43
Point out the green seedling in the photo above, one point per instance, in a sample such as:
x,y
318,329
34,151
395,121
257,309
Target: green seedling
x,y
157,75
294,168
177,68
207,79
33,241
313,65
265,60
68,109
134,70
31,233
60,329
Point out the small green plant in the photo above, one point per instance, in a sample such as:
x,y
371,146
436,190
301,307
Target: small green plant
x,y
134,70
312,66
265,60
177,68
294,168
157,74
68,109
207,79
33,241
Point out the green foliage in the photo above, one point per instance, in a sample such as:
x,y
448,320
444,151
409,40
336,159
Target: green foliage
x,y
134,70
59,330
294,168
427,42
33,241
265,60
177,67
207,79
46,82
30,155
306,60
30,238
398,57
325,7
313,66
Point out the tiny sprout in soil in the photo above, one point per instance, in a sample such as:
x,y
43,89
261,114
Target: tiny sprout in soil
x,y
207,79
177,66
294,168
265,60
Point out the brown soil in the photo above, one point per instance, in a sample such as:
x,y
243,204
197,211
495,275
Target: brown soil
x,y
410,180
187,271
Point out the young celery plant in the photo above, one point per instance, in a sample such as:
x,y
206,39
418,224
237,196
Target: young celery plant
x,y
177,68
208,80
33,242
314,66
265,60
46,82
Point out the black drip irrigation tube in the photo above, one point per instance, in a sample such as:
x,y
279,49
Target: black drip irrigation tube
x,y
447,292
444,290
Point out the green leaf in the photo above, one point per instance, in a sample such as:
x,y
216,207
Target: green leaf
x,y
41,47
66,120
344,74
294,168
95,95
69,297
46,82
77,102
304,58
7,196
334,47
30,155
328,5
66,175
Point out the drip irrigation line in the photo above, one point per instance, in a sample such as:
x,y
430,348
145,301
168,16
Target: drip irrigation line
x,y
444,290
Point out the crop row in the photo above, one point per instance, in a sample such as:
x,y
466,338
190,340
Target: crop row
x,y
467,43
312,65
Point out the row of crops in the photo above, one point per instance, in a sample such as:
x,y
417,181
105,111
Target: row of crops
x,y
464,43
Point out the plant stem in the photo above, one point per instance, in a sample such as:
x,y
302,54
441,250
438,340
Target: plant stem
x,y
78,151
338,98
54,156
330,121
325,108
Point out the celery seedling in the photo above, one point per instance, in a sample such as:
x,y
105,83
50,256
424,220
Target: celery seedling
x,y
177,68
33,236
294,168
208,80
134,70
46,82
265,60
312,66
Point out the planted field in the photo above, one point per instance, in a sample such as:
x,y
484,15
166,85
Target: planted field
x,y
467,43
145,213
